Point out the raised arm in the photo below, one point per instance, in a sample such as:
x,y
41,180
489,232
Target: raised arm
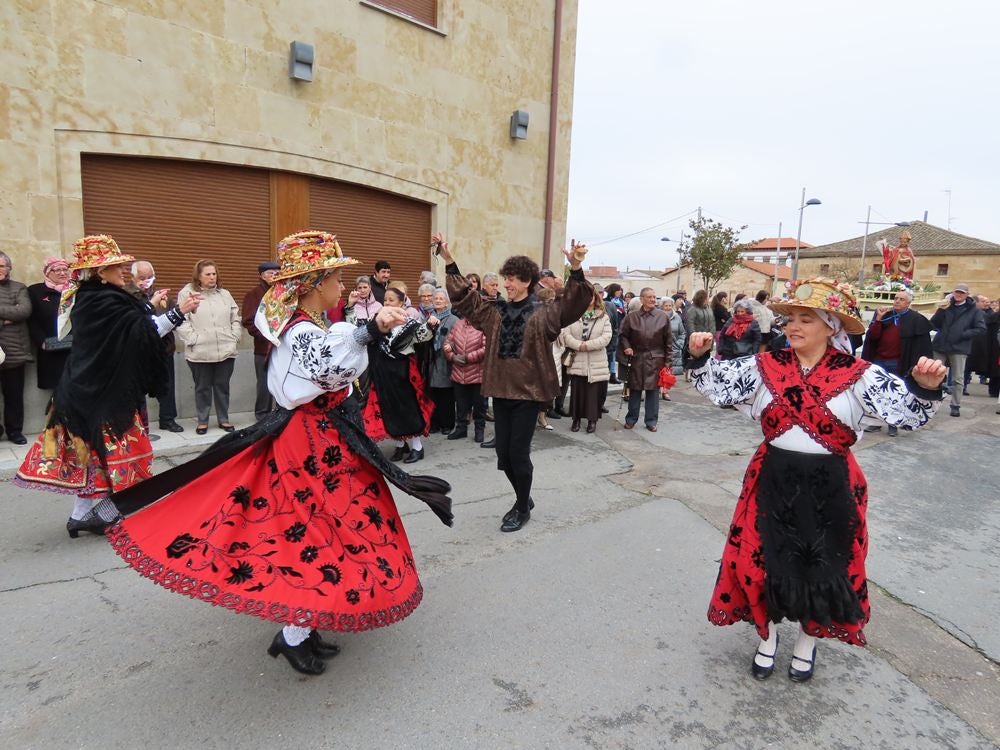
x,y
467,303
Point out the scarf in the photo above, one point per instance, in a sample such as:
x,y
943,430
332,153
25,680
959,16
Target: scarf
x,y
840,339
739,324
50,263
280,302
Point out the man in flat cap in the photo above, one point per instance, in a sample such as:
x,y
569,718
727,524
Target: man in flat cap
x,y
263,403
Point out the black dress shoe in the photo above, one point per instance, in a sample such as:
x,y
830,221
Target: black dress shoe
x,y
604,411
17,438
762,673
322,649
491,443
301,657
802,675
513,510
516,521
94,525
893,430
553,414
591,426
446,430
171,426
226,427
562,412
613,380
414,456
399,454
575,427
458,433
480,434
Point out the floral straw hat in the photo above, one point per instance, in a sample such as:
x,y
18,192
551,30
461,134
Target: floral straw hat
x,y
303,252
97,251
836,298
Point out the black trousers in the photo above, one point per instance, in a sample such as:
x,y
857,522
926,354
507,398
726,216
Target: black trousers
x,y
443,417
12,387
515,426
168,404
468,398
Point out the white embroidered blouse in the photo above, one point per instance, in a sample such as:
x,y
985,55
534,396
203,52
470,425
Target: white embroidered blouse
x,y
311,361
876,394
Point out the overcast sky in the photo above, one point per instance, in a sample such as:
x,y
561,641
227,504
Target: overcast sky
x,y
737,106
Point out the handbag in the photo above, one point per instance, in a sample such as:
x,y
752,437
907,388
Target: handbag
x,y
569,356
56,344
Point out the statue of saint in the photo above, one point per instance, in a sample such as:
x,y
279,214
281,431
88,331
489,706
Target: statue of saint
x,y
898,261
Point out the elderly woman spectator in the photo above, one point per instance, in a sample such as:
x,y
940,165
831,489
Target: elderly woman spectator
x,y
210,335
442,390
425,299
465,348
361,303
678,336
42,324
15,308
741,334
586,362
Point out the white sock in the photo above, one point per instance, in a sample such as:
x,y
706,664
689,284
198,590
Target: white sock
x,y
294,635
416,444
81,507
769,646
400,443
804,646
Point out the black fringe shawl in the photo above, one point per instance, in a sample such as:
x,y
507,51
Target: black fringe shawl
x,y
117,359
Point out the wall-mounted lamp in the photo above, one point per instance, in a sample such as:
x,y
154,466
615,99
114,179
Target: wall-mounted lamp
x,y
519,124
300,61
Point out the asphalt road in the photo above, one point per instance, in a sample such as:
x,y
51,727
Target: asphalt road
x,y
586,629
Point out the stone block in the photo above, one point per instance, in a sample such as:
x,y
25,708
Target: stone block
x,y
98,25
207,17
15,214
20,165
236,108
45,217
27,16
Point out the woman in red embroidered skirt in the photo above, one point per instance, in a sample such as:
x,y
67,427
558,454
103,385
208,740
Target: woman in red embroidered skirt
x,y
798,539
291,520
95,442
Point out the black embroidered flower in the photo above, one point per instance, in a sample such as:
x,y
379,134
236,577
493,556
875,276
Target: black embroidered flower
x,y
373,489
241,496
331,573
374,516
331,482
758,558
260,503
295,532
725,598
272,465
793,395
322,424
310,465
181,545
353,597
321,402
308,554
304,494
240,573
384,566
332,455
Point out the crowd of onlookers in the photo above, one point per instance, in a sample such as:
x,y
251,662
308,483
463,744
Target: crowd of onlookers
x,y
622,338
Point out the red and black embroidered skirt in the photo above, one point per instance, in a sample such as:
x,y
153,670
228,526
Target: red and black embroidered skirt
x,y
299,530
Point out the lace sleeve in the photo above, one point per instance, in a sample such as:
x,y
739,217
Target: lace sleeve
x,y
728,382
329,360
896,402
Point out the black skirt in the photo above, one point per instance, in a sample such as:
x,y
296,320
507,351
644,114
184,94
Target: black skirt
x,y
585,399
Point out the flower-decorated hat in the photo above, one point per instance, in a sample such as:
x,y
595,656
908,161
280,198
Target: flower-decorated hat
x,y
303,252
836,298
97,251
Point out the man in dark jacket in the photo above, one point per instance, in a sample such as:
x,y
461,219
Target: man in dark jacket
x,y
645,340
263,403
380,279
957,322
15,308
896,339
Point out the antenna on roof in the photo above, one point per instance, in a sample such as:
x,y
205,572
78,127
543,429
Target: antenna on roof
x,y
925,217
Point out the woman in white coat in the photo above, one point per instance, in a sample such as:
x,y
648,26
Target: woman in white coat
x,y
586,361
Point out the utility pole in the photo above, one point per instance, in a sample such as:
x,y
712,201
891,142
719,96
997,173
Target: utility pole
x,y
777,258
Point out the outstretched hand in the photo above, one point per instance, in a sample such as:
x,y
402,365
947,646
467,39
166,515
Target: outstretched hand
x,y
189,303
389,317
929,373
440,245
699,343
575,255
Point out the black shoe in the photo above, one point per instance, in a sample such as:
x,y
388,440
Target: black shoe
x,y
604,411
802,675
613,380
480,434
873,428
414,456
553,414
965,391
893,430
301,657
322,649
399,454
17,438
446,430
93,524
575,427
491,443
226,427
762,673
562,412
954,412
458,433
591,426
171,426
516,521
510,513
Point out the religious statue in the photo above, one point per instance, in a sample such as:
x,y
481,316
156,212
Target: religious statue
x,y
898,262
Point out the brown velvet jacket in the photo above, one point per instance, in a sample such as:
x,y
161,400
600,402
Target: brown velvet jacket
x,y
648,334
532,376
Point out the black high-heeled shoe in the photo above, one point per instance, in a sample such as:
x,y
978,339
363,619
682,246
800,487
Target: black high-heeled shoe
x,y
802,675
322,649
762,673
94,525
301,657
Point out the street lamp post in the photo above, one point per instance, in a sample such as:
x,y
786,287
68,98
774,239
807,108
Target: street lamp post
x,y
798,236
864,243
680,244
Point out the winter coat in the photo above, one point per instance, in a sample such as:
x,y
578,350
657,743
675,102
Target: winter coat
x,y
678,337
914,341
213,331
363,310
763,315
15,309
979,359
470,343
957,326
440,370
593,363
42,325
745,346
699,320
648,335
611,310
251,301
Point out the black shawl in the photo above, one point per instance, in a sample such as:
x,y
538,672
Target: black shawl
x,y
117,360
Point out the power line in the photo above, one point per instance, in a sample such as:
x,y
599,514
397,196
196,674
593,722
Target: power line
x,y
642,231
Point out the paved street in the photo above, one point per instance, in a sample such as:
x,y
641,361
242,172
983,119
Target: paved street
x,y
587,629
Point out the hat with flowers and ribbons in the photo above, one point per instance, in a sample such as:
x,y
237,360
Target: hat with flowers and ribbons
x,y
826,295
97,251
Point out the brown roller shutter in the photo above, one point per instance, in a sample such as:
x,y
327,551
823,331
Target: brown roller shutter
x,y
173,213
372,225
424,11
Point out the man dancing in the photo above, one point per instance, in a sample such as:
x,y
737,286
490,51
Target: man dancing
x,y
519,371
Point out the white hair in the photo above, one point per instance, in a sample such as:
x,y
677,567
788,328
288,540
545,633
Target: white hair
x,y
490,277
907,292
425,288
136,264
442,290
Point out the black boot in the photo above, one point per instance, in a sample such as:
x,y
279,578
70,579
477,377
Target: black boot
x,y
400,453
480,433
414,456
458,433
491,443
322,649
301,657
